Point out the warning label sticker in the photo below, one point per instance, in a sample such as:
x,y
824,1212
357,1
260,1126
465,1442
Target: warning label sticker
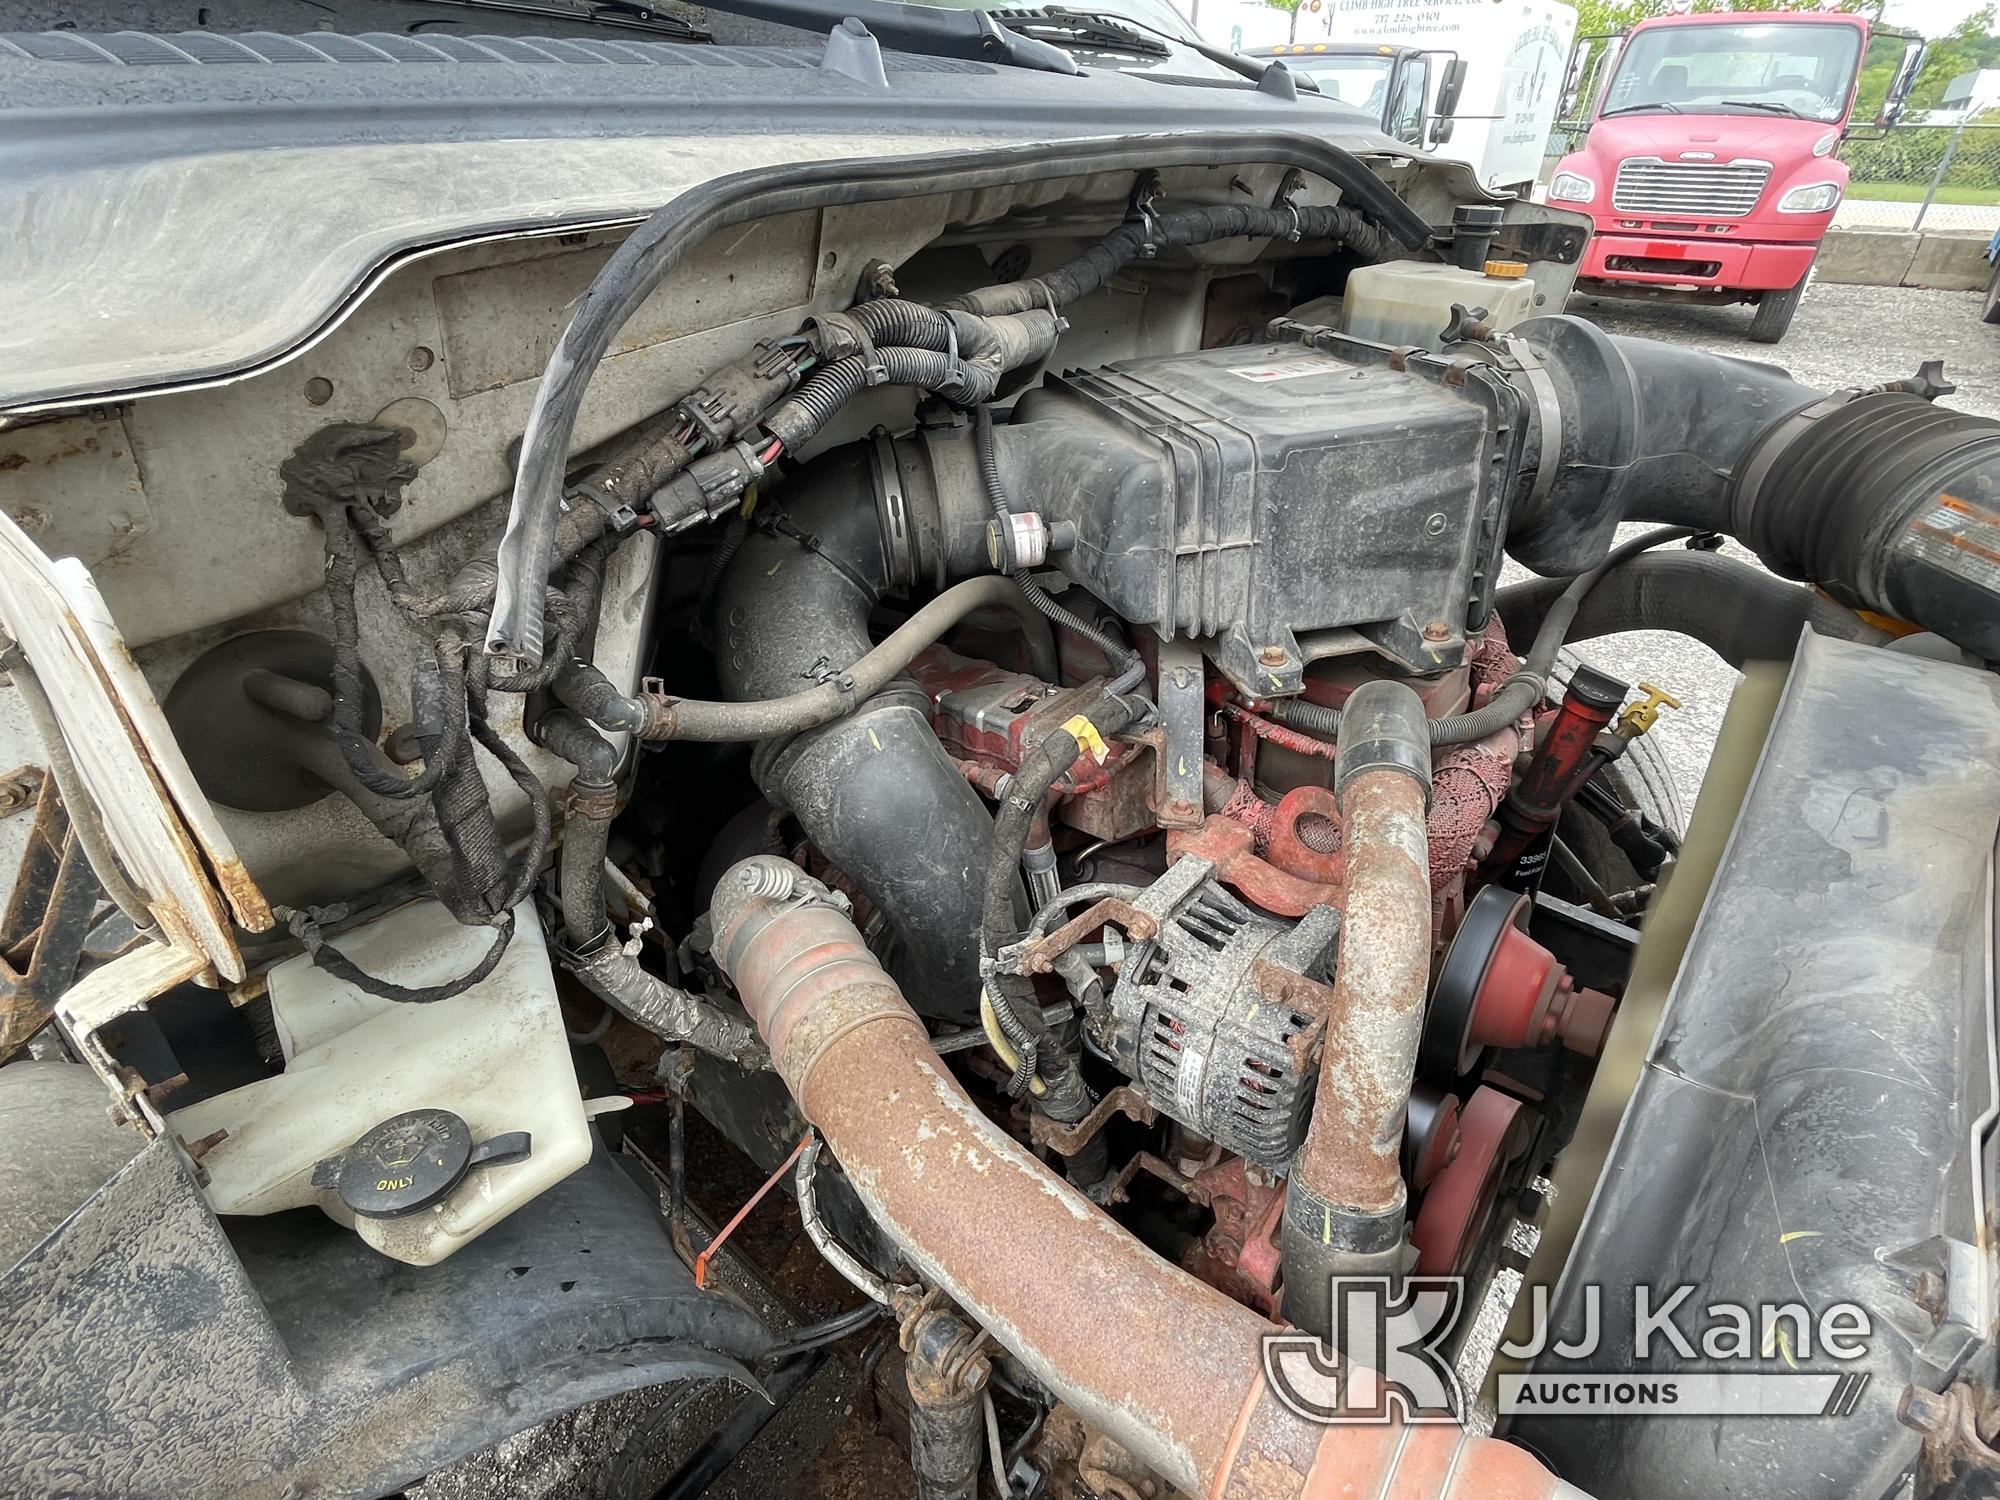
x,y
1959,537
1290,369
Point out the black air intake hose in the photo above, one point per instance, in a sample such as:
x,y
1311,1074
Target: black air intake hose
x,y
1739,612
1888,503
1877,496
875,791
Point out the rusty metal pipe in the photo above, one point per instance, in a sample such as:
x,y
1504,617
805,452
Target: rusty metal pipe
x,y
1163,1363
1344,1201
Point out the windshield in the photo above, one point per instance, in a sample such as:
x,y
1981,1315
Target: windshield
x,y
1783,68
1157,14
1362,82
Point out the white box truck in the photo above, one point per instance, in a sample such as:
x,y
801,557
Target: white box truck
x,y
1384,55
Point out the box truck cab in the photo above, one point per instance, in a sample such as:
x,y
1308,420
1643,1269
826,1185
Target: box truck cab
x,y
1709,167
1409,93
1479,84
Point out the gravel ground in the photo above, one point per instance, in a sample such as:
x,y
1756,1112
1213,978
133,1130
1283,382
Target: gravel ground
x,y
1844,335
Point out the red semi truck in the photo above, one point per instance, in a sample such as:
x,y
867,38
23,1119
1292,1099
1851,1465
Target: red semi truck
x,y
1710,164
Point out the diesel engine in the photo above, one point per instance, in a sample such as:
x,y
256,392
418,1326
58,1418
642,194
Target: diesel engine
x,y
1104,833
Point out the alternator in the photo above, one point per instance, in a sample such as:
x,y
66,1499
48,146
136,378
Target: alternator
x,y
1219,1017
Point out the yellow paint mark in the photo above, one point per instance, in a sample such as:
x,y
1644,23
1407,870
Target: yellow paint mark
x,y
772,571
1326,1230
1181,766
1798,1234
873,741
1254,1008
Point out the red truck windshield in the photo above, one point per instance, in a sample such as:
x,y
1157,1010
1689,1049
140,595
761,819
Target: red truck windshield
x,y
1781,69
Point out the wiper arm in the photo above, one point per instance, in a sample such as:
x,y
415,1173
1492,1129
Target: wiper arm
x,y
1771,104
1236,62
1633,109
1089,31
928,30
610,13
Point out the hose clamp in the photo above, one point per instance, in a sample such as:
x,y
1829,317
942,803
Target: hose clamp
x,y
1764,452
1297,231
822,673
1049,295
892,508
598,803
1548,411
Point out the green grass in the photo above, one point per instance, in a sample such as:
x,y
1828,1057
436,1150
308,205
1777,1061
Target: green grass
x,y
1913,192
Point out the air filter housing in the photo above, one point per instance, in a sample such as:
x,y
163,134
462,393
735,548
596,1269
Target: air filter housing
x,y
1251,495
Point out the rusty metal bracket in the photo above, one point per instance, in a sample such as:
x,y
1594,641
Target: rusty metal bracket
x,y
1040,957
1177,743
1950,1424
19,789
1145,1161
46,924
1067,1140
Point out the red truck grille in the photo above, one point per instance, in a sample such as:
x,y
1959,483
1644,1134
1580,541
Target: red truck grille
x,y
1705,189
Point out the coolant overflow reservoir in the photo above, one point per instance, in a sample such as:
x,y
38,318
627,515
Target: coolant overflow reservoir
x,y
1409,302
419,1127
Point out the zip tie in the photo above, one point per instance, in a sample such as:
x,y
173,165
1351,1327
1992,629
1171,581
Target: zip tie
x,y
701,1261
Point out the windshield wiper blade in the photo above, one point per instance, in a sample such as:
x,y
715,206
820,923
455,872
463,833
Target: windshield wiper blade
x,y
1236,62
1633,109
927,30
1773,104
1089,31
614,14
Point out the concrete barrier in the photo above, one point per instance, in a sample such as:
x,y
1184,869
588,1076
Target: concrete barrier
x,y
1952,262
1866,257
1901,257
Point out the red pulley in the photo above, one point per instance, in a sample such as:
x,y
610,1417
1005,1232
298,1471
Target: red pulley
x,y
1457,1208
1498,987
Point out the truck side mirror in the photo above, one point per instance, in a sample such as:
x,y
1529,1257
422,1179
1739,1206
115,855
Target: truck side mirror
x,y
1452,87
1905,80
1447,100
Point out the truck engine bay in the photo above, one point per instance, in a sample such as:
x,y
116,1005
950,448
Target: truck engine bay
x,y
990,697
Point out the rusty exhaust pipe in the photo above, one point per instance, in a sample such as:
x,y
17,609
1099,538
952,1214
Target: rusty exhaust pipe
x,y
1344,1200
1163,1363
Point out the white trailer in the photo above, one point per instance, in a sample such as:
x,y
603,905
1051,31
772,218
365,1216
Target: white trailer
x,y
1514,50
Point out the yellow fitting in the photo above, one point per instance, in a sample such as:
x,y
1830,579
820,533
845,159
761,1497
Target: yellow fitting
x,y
1637,718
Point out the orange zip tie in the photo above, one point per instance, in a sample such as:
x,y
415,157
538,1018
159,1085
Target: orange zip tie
x,y
701,1260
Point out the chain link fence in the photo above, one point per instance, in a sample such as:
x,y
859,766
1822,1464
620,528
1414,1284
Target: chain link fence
x,y
1936,177
1943,178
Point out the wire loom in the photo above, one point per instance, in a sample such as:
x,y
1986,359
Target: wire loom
x,y
348,477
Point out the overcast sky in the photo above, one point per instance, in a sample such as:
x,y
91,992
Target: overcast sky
x,y
1929,17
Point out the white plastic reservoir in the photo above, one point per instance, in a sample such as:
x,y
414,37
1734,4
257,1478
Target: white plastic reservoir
x,y
496,1056
1409,302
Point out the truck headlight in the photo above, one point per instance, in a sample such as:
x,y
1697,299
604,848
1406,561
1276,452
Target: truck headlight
x,y
1568,187
1813,198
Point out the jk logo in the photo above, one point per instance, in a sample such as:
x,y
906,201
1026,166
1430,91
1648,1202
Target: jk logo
x,y
1384,1362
